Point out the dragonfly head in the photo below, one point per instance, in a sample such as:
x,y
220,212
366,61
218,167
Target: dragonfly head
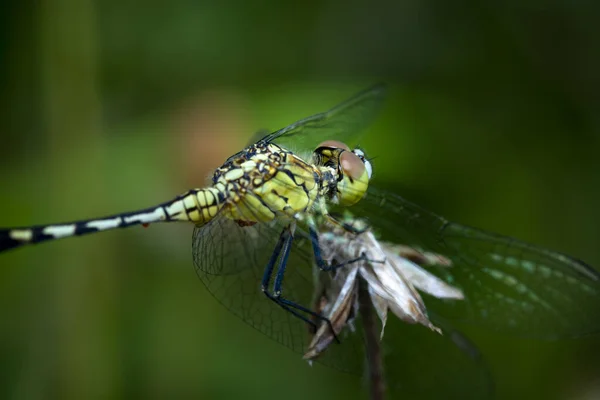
x,y
353,170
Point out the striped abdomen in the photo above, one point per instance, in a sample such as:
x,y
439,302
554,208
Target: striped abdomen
x,y
198,206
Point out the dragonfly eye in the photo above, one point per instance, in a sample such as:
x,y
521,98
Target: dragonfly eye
x,y
356,174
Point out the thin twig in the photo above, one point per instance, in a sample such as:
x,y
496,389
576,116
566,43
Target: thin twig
x,y
372,343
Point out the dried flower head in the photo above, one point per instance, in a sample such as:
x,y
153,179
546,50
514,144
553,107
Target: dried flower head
x,y
394,273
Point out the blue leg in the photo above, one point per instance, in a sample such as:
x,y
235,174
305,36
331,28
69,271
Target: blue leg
x,y
285,243
314,240
269,268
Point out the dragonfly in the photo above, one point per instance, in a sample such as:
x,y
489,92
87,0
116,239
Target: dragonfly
x,y
256,240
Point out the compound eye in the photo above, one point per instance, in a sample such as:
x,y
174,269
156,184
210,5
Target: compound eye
x,y
334,144
355,179
353,166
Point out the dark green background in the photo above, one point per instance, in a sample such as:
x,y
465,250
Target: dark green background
x,y
492,120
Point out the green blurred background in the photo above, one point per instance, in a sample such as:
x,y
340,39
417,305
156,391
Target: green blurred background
x,y
492,120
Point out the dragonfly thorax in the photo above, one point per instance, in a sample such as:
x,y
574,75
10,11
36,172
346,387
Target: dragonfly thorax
x,y
266,181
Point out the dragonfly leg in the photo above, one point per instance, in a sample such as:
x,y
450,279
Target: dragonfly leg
x,y
363,257
314,240
325,266
285,243
347,226
266,279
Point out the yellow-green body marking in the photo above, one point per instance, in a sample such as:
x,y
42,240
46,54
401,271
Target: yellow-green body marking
x,y
258,184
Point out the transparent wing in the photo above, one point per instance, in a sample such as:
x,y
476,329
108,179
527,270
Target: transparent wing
x,y
509,285
230,260
343,122
415,357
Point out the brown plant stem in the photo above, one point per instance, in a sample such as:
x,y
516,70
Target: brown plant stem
x,y
372,344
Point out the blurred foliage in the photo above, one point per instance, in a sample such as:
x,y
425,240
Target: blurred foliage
x,y
109,106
